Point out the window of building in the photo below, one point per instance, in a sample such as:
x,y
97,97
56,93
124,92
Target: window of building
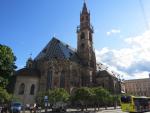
x,y
49,79
32,89
90,37
21,89
82,45
82,35
62,80
82,19
87,18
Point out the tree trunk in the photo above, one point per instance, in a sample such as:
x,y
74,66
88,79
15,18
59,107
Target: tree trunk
x,y
86,107
98,107
115,104
106,107
94,107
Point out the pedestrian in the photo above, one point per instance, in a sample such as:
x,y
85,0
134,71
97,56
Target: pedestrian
x,y
34,108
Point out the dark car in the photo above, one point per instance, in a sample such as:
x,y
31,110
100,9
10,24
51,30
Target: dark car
x,y
0,109
59,107
16,107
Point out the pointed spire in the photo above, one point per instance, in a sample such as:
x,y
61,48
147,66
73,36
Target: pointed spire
x,y
84,10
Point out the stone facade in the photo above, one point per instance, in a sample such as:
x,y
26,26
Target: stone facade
x,y
60,66
108,80
138,87
27,85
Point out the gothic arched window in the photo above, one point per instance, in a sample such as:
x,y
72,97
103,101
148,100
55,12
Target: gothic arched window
x,y
87,18
82,36
49,79
82,19
62,80
82,45
21,89
32,89
90,37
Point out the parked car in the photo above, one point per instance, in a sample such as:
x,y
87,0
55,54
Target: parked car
x,y
59,107
16,107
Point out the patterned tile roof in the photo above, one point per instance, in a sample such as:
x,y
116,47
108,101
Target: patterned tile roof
x,y
57,49
101,68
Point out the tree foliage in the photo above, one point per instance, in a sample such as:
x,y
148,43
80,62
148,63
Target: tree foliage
x,y
40,98
7,65
58,95
82,95
4,95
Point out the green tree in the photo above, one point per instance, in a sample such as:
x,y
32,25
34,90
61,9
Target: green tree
x,y
7,65
58,95
115,100
98,96
106,97
102,97
40,98
82,96
4,96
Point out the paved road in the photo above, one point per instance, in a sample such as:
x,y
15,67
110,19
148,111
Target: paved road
x,y
109,110
113,111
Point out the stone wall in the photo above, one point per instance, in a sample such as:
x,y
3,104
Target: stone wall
x,y
26,98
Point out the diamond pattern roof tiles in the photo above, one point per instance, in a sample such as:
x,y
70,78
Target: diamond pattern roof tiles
x,y
57,49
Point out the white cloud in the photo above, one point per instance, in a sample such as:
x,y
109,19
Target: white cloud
x,y
133,61
143,74
113,31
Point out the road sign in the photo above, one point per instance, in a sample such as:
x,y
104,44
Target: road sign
x,y
46,98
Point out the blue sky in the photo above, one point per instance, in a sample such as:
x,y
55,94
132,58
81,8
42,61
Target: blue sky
x,y
28,25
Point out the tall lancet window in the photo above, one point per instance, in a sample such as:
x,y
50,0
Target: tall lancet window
x,y
62,80
21,89
49,79
82,35
90,37
32,89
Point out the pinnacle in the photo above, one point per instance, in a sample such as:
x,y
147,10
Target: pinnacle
x,y
84,10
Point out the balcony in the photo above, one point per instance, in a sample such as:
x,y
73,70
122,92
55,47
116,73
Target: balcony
x,y
84,26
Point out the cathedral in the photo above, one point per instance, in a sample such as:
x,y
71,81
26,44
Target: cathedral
x,y
59,65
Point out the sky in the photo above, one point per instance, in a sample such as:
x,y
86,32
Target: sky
x,y
121,33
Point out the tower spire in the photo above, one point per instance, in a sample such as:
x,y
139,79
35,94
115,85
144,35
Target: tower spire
x,y
84,10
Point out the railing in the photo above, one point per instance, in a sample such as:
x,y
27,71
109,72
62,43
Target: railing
x,y
82,26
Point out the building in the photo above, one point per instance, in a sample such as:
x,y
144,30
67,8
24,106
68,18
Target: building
x,y
108,79
60,66
138,87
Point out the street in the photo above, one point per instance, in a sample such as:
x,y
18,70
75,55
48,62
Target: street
x,y
109,110
113,111
102,110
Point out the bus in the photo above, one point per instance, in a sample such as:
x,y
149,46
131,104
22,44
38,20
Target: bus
x,y
135,104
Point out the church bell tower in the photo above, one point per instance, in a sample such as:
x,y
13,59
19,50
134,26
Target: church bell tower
x,y
85,42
